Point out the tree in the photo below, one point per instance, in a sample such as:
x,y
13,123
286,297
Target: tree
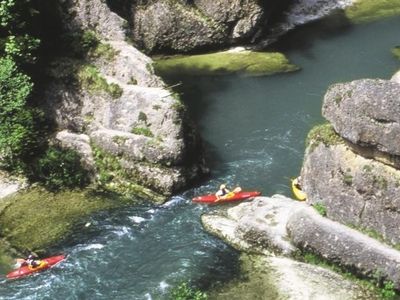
x,y
17,133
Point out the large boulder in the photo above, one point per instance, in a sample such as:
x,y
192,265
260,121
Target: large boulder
x,y
183,26
366,112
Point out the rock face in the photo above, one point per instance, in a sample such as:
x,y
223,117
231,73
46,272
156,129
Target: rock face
x,y
282,226
346,247
358,179
366,112
355,191
182,26
119,108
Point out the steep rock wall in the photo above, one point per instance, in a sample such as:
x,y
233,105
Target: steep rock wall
x,y
119,108
354,170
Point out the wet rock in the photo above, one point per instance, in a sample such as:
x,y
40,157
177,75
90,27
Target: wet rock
x,y
344,246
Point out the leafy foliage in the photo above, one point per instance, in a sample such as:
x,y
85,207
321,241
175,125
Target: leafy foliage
x,y
16,40
17,123
184,292
60,168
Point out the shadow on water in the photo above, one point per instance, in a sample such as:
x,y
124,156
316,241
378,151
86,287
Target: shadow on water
x,y
304,37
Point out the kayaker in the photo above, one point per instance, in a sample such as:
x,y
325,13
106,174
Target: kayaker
x,y
32,261
223,191
297,183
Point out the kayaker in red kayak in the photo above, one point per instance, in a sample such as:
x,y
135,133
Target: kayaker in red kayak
x,y
224,192
31,261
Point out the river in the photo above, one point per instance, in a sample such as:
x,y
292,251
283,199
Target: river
x,y
254,131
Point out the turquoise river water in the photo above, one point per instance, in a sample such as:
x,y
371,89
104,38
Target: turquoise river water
x,y
254,130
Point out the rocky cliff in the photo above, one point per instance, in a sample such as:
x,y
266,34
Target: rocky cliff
x,y
352,168
128,125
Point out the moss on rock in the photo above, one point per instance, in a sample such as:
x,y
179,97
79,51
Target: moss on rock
x,y
396,51
37,219
370,10
323,134
221,63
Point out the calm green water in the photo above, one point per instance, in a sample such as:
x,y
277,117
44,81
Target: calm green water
x,y
254,130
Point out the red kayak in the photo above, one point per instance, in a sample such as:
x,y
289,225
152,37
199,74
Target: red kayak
x,y
45,263
228,198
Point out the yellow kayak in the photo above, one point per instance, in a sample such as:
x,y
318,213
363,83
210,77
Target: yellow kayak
x,y
298,193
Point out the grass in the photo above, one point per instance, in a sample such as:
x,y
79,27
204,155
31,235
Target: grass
x,y
320,208
370,10
383,288
91,79
142,131
221,63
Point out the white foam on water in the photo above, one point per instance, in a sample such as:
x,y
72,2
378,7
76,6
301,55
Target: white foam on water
x,y
163,286
137,219
93,246
174,201
122,230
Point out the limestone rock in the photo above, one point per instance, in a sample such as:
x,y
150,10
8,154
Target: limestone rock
x,y
94,15
81,144
283,278
10,185
355,191
256,226
339,244
122,108
396,77
366,112
173,26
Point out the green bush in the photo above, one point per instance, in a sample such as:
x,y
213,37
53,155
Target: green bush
x,y
184,292
61,168
18,135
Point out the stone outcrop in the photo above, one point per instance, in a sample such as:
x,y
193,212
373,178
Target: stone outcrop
x,y
283,278
183,26
258,226
357,179
344,246
366,112
119,108
280,226
356,191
